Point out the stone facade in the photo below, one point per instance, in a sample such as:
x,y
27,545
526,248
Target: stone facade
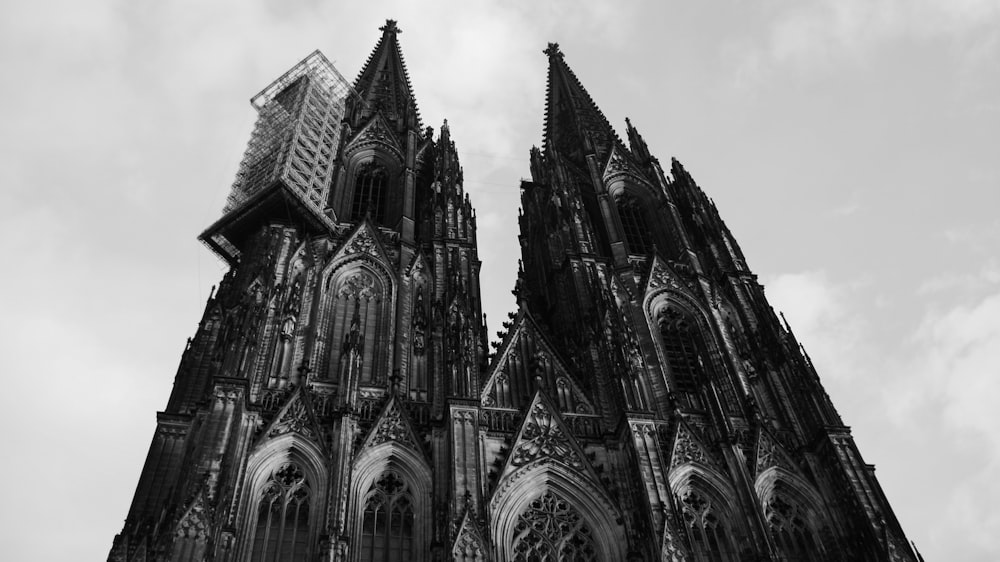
x,y
340,402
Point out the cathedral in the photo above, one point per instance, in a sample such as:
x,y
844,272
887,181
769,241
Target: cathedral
x,y
341,400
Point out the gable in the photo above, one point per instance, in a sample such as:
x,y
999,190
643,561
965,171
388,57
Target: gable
x,y
297,417
544,438
688,448
375,132
525,361
393,425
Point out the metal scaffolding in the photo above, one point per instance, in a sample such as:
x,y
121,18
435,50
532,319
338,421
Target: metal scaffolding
x,y
296,135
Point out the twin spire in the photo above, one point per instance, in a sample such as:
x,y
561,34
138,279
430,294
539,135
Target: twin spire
x,y
574,125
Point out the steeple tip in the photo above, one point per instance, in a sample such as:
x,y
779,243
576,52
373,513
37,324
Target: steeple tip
x,y
390,27
553,51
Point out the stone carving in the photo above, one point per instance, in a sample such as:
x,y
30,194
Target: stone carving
x,y
551,529
687,449
543,436
194,523
362,243
295,419
770,454
469,545
358,286
392,427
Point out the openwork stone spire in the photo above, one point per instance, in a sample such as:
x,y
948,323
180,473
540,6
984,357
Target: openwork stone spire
x,y
383,83
574,125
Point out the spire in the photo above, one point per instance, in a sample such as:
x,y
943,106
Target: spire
x,y
384,84
574,125
636,142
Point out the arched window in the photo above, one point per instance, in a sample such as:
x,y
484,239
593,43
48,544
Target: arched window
x,y
282,531
369,192
683,358
551,529
634,226
387,526
789,524
705,526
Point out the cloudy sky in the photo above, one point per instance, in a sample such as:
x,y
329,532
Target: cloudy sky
x,y
853,147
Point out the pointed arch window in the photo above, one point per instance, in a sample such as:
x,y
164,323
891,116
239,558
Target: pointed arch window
x,y
789,524
681,349
387,528
634,226
282,530
706,529
370,184
551,529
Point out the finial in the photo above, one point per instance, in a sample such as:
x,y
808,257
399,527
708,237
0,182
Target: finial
x,y
553,50
390,27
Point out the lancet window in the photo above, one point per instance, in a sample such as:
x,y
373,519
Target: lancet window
x,y
705,526
387,529
551,529
680,346
370,185
634,226
282,530
357,322
790,528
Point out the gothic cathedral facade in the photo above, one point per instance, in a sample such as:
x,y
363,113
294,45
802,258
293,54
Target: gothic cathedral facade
x,y
340,400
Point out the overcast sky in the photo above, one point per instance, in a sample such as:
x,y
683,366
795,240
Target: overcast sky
x,y
852,146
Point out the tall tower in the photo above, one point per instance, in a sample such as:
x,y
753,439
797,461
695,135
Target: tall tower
x,y
338,402
695,411
307,416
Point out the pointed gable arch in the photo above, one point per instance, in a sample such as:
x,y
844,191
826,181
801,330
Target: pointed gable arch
x,y
191,534
794,513
621,172
524,355
295,416
707,508
290,470
542,492
769,453
469,545
375,136
389,472
543,438
687,448
393,425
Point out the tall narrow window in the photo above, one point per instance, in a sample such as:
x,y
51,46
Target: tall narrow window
x,y
790,529
637,234
550,529
681,350
387,526
369,192
707,533
282,532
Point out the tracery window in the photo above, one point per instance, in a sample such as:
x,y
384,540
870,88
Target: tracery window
x,y
636,230
790,529
550,530
282,531
706,531
387,525
369,192
681,349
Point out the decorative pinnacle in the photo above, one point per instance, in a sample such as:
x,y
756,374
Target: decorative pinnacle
x,y
390,27
553,50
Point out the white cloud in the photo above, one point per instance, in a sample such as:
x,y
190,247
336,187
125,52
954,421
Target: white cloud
x,y
811,34
819,314
987,276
